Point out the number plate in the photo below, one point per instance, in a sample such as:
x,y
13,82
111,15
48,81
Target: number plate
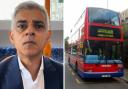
x,y
105,76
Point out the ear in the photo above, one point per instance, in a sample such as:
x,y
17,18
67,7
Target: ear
x,y
11,37
49,34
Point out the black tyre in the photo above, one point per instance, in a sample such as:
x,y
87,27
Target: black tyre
x,y
76,68
69,60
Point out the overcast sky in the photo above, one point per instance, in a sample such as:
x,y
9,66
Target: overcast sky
x,y
74,8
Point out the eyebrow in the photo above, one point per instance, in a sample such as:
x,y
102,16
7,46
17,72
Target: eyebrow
x,y
38,22
34,21
21,21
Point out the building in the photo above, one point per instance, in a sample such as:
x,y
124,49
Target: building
x,y
56,18
56,10
124,16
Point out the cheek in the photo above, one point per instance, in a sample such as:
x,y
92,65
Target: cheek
x,y
17,41
43,40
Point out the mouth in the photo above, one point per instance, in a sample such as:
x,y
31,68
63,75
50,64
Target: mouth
x,y
29,42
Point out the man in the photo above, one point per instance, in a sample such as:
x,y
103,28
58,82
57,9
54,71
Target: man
x,y
29,69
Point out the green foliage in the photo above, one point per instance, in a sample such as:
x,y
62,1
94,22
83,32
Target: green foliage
x,y
125,30
125,45
66,43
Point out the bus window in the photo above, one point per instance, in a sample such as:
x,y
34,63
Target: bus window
x,y
105,49
104,16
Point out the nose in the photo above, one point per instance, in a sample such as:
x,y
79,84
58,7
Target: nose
x,y
30,31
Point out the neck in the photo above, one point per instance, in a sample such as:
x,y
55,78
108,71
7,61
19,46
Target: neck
x,y
32,64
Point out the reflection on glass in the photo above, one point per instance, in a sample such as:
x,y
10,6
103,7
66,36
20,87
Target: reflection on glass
x,y
105,16
104,49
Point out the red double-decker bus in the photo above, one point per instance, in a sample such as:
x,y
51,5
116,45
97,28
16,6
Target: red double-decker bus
x,y
95,44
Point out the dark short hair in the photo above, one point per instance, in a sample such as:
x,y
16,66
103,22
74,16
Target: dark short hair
x,y
29,5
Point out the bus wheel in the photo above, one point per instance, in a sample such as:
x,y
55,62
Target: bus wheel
x,y
76,68
69,60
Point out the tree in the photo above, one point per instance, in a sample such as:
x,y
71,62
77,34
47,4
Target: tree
x,y
125,45
66,44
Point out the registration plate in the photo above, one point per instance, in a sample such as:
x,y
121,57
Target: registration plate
x,y
106,76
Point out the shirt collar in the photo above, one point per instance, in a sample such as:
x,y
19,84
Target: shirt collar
x,y
22,67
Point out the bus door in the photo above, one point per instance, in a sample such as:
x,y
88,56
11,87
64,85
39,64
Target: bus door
x,y
103,56
113,56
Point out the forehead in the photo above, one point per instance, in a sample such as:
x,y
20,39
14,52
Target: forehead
x,y
29,15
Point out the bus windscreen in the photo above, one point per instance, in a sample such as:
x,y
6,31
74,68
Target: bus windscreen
x,y
104,16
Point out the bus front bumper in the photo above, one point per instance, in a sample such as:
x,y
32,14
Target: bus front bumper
x,y
100,74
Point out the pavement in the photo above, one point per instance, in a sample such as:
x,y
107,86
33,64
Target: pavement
x,y
125,77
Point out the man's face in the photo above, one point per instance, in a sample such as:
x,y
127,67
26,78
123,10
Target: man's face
x,y
29,34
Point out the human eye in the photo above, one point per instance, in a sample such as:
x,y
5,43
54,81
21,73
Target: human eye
x,y
21,26
39,25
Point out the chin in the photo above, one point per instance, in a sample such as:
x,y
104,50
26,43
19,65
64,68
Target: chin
x,y
31,53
